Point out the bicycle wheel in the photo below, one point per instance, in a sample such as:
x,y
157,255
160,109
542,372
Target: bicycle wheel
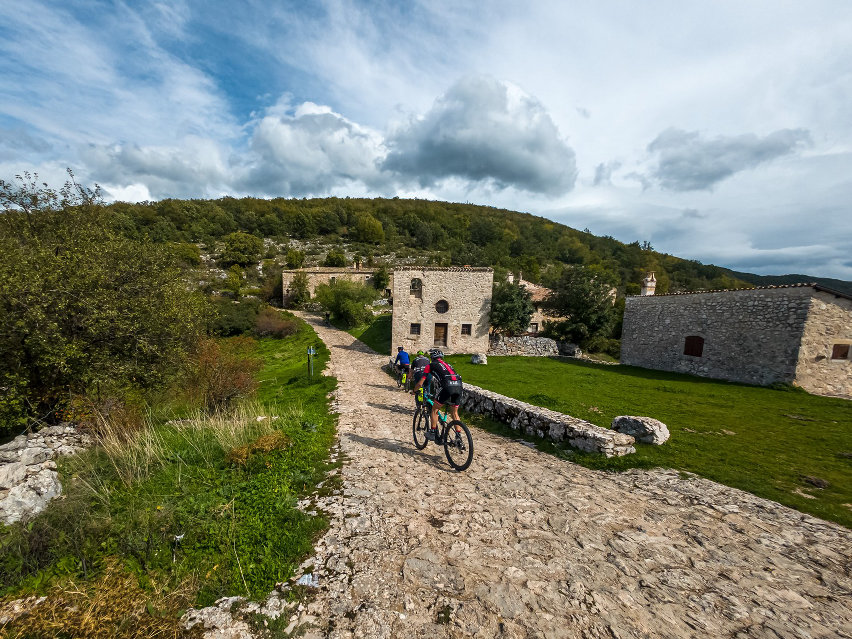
x,y
418,428
458,445
398,379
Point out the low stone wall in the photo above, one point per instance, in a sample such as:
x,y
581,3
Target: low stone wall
x,y
549,424
28,477
523,345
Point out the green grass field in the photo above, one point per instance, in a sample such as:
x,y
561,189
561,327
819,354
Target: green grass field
x,y
376,334
227,492
773,443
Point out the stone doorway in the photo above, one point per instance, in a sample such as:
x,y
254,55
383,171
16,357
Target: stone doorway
x,y
441,334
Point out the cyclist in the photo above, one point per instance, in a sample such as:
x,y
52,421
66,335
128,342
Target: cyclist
x,y
418,372
450,382
402,363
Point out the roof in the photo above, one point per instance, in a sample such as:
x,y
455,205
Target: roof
x,y
813,285
459,269
330,269
537,293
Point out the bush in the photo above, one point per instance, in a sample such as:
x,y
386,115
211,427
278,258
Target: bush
x,y
222,372
234,318
335,257
241,249
347,302
269,323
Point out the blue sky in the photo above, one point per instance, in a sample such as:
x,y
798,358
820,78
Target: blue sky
x,y
717,131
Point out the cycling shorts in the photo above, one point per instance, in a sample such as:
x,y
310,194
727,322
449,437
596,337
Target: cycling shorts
x,y
451,396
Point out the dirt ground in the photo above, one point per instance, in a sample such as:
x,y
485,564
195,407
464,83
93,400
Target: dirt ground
x,y
526,545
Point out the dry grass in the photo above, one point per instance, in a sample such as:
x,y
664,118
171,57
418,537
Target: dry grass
x,y
114,605
263,444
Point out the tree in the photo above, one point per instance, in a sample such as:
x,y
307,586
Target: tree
x,y
295,258
242,249
234,280
585,299
381,278
299,291
335,257
83,309
347,301
511,308
369,229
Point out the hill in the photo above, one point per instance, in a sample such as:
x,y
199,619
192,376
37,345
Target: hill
x,y
841,286
418,231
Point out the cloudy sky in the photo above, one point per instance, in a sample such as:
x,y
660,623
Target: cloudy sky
x,y
719,131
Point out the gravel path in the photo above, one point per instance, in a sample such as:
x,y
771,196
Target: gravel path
x,y
526,545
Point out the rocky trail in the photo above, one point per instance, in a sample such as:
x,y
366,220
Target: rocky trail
x,y
526,545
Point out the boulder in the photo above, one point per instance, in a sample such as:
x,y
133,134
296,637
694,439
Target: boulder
x,y
643,429
479,358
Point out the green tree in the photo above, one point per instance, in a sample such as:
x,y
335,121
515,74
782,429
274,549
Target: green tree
x,y
299,292
335,257
295,258
584,297
83,309
369,229
511,308
242,249
381,278
234,280
347,301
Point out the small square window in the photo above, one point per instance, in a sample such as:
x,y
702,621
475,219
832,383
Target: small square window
x,y
332,279
466,329
840,351
534,327
693,346
415,329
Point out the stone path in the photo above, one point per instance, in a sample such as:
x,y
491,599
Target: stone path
x,y
525,545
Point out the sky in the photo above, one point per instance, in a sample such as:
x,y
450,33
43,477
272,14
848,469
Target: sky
x,y
718,131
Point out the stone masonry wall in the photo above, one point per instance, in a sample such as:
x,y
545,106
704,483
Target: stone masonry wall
x,y
545,423
323,274
523,345
750,336
467,292
829,323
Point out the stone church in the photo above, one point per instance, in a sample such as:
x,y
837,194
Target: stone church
x,y
444,307
799,334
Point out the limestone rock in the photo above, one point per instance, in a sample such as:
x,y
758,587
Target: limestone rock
x,y
479,358
644,429
29,498
12,473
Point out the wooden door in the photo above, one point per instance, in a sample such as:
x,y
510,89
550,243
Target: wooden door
x,y
440,334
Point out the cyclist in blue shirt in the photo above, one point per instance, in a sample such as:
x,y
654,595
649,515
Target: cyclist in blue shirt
x,y
402,363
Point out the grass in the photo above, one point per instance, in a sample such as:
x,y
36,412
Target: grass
x,y
376,334
780,444
204,506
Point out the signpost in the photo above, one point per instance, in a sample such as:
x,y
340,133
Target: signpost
x,y
311,352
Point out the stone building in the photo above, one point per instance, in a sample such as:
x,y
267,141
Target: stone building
x,y
326,275
538,294
445,307
800,334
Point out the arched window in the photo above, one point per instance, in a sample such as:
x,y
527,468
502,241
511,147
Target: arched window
x,y
694,346
442,306
416,289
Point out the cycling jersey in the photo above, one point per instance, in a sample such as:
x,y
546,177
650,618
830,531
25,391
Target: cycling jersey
x,y
402,358
449,381
418,369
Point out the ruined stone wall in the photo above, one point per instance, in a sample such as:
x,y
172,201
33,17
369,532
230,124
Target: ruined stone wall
x,y
523,345
829,323
545,423
467,292
750,336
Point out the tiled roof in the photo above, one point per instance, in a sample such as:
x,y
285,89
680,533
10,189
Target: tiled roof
x,y
459,269
813,285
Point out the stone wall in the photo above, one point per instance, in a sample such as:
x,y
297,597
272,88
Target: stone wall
x,y
750,336
523,345
829,323
324,274
467,293
557,427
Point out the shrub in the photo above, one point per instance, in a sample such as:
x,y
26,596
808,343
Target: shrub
x,y
269,323
347,302
335,257
242,249
223,371
234,318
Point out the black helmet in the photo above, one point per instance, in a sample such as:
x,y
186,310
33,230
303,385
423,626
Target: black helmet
x,y
399,348
436,353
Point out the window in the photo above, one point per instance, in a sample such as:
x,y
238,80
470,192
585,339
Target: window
x,y
466,329
534,327
694,346
840,351
416,289
332,279
415,329
442,306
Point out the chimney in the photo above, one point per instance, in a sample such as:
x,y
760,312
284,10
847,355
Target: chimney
x,y
649,284
510,278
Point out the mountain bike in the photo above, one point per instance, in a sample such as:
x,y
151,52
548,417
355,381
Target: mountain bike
x,y
403,377
453,435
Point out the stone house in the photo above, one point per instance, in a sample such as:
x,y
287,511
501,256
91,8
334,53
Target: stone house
x,y
538,293
326,275
799,334
444,307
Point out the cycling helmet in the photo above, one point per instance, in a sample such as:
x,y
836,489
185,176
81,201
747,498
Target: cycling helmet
x,y
399,348
436,353
421,354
